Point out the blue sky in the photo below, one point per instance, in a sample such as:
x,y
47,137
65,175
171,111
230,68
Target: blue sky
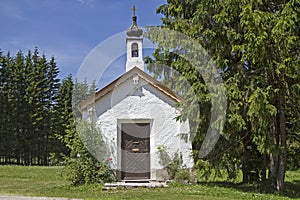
x,y
69,29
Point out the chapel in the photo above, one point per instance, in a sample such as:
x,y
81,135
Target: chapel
x,y
136,115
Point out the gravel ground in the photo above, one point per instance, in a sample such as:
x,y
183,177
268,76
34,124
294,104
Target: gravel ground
x,y
13,197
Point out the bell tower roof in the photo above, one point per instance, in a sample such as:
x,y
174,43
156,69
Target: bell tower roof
x,y
134,30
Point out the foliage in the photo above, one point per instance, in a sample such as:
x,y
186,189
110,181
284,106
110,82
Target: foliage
x,y
173,165
81,166
255,45
204,169
85,169
63,119
28,99
84,142
183,176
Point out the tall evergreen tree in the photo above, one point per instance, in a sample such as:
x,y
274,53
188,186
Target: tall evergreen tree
x,y
29,87
63,116
255,45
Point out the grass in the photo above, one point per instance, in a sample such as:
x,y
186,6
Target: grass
x,y
49,181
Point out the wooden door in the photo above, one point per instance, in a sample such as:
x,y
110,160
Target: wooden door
x,y
135,146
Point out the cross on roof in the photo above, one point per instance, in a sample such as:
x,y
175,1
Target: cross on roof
x,y
133,9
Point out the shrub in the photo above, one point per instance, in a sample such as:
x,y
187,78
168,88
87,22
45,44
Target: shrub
x,y
81,166
173,166
85,169
183,176
56,159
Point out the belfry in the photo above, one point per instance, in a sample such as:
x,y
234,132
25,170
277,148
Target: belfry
x,y
134,44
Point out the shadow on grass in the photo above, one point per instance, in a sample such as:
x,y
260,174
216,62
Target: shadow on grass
x,y
292,189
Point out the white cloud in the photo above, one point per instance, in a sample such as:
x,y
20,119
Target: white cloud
x,y
87,2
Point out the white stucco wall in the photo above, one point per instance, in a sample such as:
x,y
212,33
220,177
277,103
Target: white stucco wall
x,y
142,103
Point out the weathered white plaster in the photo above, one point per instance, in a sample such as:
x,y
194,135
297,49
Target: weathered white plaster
x,y
141,102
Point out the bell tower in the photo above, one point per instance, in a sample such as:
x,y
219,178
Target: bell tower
x,y
134,43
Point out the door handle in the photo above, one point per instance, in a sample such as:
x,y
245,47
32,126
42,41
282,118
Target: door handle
x,y
135,150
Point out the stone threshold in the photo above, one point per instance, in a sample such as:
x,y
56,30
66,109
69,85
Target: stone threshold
x,y
135,184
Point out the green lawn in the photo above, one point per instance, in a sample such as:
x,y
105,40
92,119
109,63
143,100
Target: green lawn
x,y
49,181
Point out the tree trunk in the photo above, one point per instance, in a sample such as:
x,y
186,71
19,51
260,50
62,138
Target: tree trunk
x,y
245,160
264,168
245,173
273,168
283,147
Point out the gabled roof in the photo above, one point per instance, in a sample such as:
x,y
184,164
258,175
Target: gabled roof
x,y
134,71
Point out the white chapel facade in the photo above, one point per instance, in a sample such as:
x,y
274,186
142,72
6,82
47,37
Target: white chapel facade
x,y
136,115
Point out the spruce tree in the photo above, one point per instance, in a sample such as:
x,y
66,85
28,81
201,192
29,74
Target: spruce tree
x,y
29,87
255,46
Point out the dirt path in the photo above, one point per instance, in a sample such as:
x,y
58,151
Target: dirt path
x,y
13,197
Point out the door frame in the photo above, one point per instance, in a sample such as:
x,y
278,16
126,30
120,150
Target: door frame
x,y
119,142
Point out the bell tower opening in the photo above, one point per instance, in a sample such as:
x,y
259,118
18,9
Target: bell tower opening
x,y
134,50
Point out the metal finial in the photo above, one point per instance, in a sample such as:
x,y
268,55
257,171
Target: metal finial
x,y
133,9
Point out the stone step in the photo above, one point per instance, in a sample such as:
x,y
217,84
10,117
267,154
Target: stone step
x,y
150,184
137,181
